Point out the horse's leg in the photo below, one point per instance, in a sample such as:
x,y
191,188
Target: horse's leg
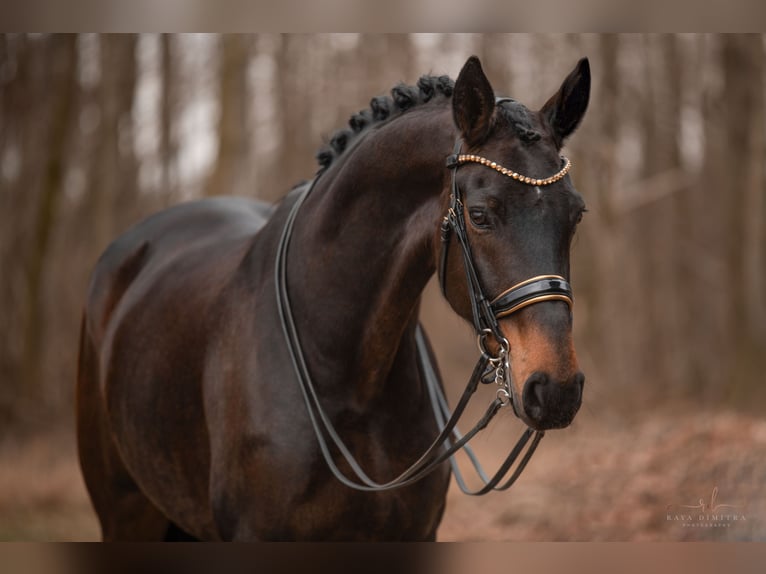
x,y
122,509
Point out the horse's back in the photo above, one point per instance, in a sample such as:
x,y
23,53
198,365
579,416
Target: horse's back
x,y
180,233
140,396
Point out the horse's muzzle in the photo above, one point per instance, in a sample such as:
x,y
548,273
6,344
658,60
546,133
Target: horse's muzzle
x,y
551,404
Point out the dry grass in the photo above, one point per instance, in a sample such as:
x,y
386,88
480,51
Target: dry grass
x,y
612,479
42,496
608,477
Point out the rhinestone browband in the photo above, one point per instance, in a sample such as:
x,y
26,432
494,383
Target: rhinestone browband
x,y
464,158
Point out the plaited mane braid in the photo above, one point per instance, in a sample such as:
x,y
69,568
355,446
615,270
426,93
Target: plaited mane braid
x,y
403,98
384,108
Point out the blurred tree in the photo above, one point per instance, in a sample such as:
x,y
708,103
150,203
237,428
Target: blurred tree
x,y
229,171
295,101
670,266
495,51
169,105
61,57
112,185
602,280
658,258
743,184
25,71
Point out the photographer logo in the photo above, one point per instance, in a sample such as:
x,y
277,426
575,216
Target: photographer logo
x,y
706,514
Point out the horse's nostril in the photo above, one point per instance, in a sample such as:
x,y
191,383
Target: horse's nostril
x,y
534,396
578,382
550,404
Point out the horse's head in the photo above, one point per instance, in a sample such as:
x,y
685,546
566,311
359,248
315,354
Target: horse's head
x,y
520,216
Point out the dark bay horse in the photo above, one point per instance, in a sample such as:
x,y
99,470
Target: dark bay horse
x,y
190,419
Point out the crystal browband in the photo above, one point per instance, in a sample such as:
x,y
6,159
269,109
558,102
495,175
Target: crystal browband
x,y
465,158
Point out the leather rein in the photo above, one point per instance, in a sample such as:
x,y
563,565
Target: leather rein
x,y
488,369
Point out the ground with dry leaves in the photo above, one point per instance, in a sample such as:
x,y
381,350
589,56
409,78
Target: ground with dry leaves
x,y
608,477
629,478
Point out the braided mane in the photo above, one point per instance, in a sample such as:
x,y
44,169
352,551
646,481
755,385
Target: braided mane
x,y
403,98
383,108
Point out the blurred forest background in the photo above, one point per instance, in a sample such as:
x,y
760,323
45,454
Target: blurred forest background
x,y
669,265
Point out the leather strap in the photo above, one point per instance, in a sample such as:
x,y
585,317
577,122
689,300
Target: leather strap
x,y
485,316
535,290
454,224
440,449
442,412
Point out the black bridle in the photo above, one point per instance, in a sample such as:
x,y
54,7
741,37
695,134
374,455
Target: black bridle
x,y
488,369
486,312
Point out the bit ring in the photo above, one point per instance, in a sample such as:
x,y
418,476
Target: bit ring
x,y
481,341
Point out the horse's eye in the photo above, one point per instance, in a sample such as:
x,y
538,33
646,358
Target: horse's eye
x,y
579,215
478,217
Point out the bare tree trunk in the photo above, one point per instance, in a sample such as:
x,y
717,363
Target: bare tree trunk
x,y
112,183
397,50
23,134
127,164
648,224
754,230
293,88
607,275
663,216
737,69
233,143
63,58
381,61
168,106
708,224
742,59
495,53
393,51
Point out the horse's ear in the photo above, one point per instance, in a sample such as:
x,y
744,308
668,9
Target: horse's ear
x,y
473,102
566,108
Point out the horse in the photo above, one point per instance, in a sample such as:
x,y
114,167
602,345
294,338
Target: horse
x,y
191,422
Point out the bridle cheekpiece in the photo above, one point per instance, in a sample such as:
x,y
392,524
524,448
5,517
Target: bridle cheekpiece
x,y
535,290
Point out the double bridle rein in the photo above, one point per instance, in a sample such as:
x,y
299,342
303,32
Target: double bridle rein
x,y
489,368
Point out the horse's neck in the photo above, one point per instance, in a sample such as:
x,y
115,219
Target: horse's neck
x,y
363,252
